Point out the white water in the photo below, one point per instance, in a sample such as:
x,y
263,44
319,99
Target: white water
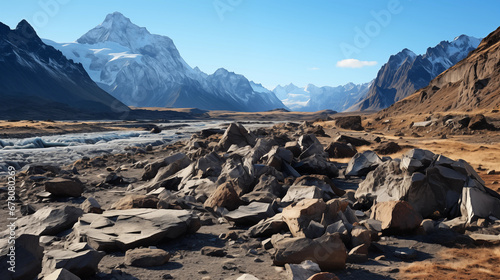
x,y
67,148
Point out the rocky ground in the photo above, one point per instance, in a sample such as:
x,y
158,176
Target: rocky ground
x,y
288,202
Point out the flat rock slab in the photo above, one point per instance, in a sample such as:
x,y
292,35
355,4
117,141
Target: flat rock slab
x,y
48,221
126,229
250,214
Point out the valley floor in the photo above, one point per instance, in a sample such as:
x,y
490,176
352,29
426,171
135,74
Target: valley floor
x,y
445,260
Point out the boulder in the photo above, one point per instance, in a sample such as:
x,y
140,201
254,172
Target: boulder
x,y
479,202
209,166
269,183
361,236
136,201
237,135
349,122
268,227
293,147
317,164
362,163
299,192
126,229
48,221
328,251
90,205
281,153
250,214
416,160
352,140
397,217
151,169
301,271
321,181
170,175
236,170
299,215
387,182
388,148
224,196
82,264
61,274
478,122
65,187
340,150
145,257
27,260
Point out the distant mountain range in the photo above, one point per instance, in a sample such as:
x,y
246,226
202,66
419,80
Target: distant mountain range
x,y
407,72
119,63
403,74
471,85
38,81
146,70
312,98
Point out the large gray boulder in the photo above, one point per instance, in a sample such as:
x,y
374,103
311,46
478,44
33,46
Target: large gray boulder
x,y
479,202
362,163
236,134
82,263
125,229
65,187
328,251
151,169
26,260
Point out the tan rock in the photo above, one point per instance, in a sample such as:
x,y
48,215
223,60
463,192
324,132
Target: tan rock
x,y
135,201
224,196
328,251
396,216
299,214
145,257
361,236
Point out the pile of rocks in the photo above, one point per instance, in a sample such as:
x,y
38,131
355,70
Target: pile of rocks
x,y
278,187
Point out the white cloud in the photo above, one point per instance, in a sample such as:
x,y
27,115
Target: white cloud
x,y
354,63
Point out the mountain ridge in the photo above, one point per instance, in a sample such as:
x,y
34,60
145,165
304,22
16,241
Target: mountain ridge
x,y
406,72
146,70
38,81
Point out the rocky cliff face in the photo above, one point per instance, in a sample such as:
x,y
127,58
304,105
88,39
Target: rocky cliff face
x,y
471,84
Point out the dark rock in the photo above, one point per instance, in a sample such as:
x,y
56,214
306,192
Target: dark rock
x,y
388,148
349,122
340,150
65,187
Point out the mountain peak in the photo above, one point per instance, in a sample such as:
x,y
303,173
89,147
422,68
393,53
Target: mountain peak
x,y
25,30
116,19
115,28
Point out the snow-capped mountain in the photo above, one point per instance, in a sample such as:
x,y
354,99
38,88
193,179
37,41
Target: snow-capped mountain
x,y
312,98
39,82
406,72
146,70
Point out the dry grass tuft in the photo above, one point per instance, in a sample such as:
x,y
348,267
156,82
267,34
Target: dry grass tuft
x,y
479,263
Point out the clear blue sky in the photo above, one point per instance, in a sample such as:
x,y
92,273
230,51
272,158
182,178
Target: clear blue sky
x,y
274,42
